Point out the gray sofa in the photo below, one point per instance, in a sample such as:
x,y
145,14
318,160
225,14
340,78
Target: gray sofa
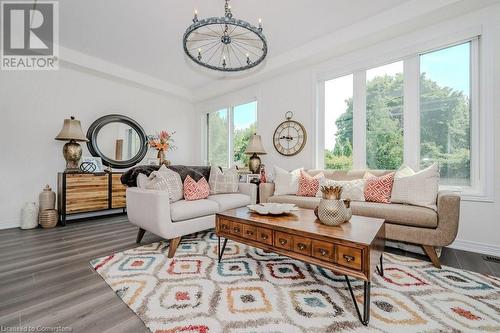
x,y
405,223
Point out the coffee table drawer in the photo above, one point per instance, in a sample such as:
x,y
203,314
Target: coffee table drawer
x,y
265,236
302,245
250,232
283,241
236,228
224,226
349,257
322,250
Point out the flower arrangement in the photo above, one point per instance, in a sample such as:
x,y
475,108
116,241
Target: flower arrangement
x,y
162,142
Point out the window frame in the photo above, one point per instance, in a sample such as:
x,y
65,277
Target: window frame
x,y
230,120
478,190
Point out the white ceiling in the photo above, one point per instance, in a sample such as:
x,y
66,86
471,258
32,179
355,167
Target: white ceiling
x,y
146,35
141,40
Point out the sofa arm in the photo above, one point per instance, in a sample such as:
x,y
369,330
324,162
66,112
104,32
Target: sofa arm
x,y
266,190
448,209
250,190
149,210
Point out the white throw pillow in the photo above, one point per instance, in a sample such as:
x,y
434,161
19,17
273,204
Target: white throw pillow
x,y
223,181
352,189
286,182
167,180
416,188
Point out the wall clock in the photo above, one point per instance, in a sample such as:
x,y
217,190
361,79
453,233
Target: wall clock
x,y
290,136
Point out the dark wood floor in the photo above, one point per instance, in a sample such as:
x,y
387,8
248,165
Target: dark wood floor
x,y
46,279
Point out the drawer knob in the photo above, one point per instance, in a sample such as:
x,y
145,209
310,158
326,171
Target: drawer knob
x,y
224,226
264,236
249,232
323,252
348,258
282,241
301,246
236,229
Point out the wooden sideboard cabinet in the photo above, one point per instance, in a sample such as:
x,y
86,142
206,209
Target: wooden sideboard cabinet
x,y
89,192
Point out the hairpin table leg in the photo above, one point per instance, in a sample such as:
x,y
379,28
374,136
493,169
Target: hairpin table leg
x,y
220,251
366,301
380,269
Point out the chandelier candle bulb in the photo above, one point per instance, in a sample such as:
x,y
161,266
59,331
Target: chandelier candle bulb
x,y
195,18
199,54
260,24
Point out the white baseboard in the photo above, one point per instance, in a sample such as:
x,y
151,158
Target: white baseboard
x,y
10,223
482,248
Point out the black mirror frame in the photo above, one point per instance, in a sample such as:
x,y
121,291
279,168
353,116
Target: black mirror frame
x,y
116,118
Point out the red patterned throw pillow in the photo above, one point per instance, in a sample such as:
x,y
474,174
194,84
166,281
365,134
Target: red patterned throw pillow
x,y
378,189
308,185
196,190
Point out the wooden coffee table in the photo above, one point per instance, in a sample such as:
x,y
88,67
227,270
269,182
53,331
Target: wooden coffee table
x,y
353,249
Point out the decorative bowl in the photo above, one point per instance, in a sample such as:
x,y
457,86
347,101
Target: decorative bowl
x,y
272,208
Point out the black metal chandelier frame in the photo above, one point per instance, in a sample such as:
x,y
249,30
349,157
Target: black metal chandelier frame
x,y
224,43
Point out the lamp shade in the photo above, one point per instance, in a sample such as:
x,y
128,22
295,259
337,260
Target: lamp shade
x,y
255,145
71,130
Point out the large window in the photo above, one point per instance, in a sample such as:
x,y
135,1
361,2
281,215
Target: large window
x,y
228,132
416,111
384,116
338,123
445,112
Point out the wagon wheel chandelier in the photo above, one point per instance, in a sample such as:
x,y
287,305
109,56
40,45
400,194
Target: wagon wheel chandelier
x,y
225,43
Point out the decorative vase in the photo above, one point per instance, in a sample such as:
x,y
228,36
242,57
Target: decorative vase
x,y
47,199
29,216
161,157
49,218
334,212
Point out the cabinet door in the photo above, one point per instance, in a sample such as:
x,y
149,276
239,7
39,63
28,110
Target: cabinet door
x,y
118,199
86,192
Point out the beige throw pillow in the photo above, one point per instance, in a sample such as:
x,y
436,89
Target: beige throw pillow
x,y
166,180
286,182
223,181
353,189
416,188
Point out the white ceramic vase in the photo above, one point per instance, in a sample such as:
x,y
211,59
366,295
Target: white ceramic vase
x,y
29,216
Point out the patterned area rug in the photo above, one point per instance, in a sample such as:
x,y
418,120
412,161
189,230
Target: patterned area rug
x,y
255,291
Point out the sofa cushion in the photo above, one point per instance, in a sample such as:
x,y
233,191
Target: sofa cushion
x,y
185,210
223,180
230,200
397,213
302,202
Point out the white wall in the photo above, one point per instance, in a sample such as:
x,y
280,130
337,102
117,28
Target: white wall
x,y
296,91
33,106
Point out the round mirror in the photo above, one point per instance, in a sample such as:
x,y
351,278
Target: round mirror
x,y
118,140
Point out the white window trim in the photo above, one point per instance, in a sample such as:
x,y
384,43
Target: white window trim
x,y
230,117
481,115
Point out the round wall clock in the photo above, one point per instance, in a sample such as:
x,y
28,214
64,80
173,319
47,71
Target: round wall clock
x,y
290,136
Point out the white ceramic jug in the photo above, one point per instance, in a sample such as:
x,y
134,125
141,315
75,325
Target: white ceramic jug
x,y
29,216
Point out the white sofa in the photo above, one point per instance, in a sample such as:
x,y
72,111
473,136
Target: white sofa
x,y
151,211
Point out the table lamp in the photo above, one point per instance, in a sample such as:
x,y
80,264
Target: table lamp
x,y
254,147
72,151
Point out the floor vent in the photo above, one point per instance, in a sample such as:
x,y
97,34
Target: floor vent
x,y
496,260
